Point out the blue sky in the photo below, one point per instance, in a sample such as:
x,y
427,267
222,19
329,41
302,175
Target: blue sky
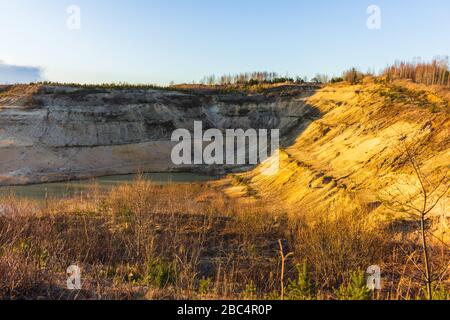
x,y
156,41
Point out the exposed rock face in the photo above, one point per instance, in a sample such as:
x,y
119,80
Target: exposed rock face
x,y
57,133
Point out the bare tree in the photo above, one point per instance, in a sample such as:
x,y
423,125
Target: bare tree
x,y
353,76
423,196
283,257
430,73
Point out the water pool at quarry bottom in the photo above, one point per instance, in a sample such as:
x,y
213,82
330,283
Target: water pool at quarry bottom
x,y
80,187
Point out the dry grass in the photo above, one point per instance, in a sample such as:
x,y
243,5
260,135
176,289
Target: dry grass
x,y
142,241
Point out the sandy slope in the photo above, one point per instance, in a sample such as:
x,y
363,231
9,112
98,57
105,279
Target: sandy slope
x,y
352,155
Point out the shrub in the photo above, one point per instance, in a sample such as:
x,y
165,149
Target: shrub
x,y
160,273
303,287
335,244
250,291
440,293
353,76
356,289
336,79
204,286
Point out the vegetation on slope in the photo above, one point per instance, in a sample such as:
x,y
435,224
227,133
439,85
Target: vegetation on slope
x,y
142,241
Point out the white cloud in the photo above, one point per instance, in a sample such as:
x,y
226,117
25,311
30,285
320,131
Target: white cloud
x,y
10,74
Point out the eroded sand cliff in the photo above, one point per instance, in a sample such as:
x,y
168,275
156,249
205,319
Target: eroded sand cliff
x,y
54,133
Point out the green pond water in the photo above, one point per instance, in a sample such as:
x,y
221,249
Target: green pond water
x,y
73,188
